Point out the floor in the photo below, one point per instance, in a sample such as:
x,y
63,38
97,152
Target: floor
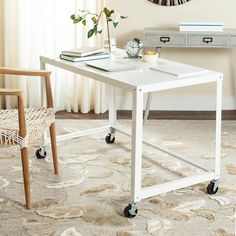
x,y
89,195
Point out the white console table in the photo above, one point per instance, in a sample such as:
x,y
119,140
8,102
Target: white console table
x,y
173,38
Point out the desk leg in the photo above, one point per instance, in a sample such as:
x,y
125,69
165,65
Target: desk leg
x,y
41,152
136,155
112,106
212,187
42,67
110,138
218,128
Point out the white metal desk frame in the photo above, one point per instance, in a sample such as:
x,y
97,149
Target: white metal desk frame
x,y
138,193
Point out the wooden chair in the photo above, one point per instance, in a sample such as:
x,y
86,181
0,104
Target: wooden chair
x,y
21,126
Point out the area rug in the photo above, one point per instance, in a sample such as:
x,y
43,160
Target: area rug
x,y
93,187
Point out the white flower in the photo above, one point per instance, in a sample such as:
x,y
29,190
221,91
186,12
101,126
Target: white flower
x,y
99,28
115,17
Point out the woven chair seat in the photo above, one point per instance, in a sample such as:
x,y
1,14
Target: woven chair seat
x,y
37,121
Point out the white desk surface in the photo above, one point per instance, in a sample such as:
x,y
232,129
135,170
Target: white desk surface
x,y
143,78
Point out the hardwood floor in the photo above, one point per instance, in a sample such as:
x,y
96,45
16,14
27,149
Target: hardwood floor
x,y
156,115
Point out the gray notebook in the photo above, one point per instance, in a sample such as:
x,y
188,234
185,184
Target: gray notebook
x,y
111,65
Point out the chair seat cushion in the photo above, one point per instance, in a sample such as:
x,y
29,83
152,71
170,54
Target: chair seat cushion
x,y
37,121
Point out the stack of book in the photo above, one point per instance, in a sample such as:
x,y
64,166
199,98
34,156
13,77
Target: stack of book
x,y
84,54
201,27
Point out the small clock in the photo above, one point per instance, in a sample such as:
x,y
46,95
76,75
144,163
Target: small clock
x,y
134,48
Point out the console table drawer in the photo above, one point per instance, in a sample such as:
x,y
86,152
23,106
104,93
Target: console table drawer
x,y
208,40
233,41
164,40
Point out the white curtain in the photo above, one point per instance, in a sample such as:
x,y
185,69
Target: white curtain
x,y
44,27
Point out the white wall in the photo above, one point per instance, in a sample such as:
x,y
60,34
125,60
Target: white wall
x,y
143,13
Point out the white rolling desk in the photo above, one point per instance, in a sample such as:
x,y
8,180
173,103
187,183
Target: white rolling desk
x,y
139,82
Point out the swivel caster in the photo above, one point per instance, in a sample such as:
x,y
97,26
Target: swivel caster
x,y
131,210
110,138
212,187
41,153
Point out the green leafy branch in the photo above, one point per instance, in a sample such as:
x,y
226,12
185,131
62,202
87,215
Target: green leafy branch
x,y
111,16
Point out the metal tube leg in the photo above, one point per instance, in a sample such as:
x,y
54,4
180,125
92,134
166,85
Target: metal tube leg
x,y
149,96
218,127
43,67
136,155
137,134
112,106
110,138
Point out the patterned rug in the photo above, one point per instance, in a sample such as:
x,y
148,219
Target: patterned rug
x,y
89,195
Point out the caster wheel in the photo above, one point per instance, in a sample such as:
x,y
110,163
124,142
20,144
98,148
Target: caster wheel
x,y
41,153
109,140
210,188
127,212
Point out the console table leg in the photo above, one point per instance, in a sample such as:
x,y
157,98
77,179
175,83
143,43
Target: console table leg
x,y
149,98
148,105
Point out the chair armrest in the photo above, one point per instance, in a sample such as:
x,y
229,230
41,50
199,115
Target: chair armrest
x,y
21,109
12,71
11,92
43,73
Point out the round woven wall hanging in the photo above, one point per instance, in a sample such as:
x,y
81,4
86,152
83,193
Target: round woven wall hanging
x,y
169,2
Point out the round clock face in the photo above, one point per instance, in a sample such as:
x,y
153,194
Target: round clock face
x,y
134,47
169,2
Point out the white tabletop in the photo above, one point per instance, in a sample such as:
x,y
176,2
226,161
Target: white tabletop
x,y
142,78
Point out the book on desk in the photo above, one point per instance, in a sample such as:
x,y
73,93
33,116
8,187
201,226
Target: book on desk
x,y
97,56
82,51
84,54
201,27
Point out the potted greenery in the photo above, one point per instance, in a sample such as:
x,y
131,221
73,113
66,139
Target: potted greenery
x,y
110,15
